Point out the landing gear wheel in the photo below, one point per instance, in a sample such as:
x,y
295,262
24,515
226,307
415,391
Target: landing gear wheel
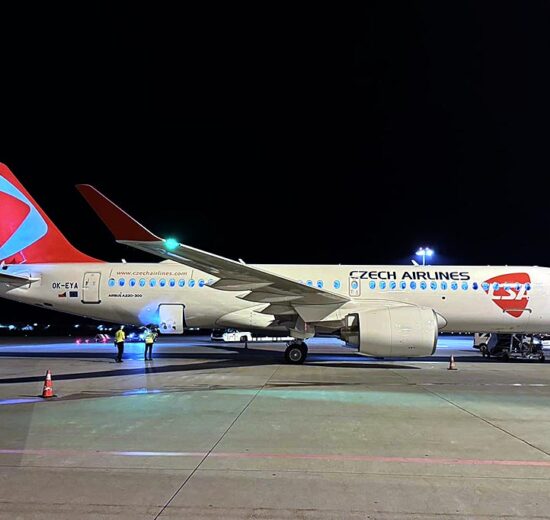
x,y
542,359
483,350
505,356
296,353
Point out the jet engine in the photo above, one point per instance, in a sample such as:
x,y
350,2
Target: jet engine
x,y
407,331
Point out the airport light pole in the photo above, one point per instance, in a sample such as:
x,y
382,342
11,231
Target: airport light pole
x,y
424,252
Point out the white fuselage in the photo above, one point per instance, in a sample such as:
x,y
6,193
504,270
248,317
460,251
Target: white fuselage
x,y
134,293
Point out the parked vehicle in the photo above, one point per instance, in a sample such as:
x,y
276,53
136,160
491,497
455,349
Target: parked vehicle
x,y
511,346
230,335
238,336
481,339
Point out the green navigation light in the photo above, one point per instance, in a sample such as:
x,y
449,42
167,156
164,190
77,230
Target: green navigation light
x,y
171,243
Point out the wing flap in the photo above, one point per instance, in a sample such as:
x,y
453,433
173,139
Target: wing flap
x,y
279,309
268,297
225,284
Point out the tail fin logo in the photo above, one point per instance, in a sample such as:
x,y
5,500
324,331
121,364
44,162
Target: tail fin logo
x,y
509,292
22,224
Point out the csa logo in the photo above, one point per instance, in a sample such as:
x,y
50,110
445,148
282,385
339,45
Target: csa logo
x,y
511,295
21,225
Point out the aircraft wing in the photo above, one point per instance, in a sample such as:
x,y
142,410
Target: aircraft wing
x,y
266,287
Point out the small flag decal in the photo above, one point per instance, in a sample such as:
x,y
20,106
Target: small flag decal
x,y
73,294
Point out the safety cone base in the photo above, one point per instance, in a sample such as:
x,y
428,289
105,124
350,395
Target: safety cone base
x,y
452,364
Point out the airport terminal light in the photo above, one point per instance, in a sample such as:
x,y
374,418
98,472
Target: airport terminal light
x,y
424,252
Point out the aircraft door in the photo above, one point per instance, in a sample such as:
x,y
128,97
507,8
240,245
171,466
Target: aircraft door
x,y
354,286
171,318
90,288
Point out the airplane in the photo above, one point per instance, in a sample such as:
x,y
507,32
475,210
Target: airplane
x,y
379,310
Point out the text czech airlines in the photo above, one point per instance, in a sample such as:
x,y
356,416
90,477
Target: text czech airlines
x,y
411,275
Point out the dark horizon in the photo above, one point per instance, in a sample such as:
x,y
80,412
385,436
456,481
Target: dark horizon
x,y
289,136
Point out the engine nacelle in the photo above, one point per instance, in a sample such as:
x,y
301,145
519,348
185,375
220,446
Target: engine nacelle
x,y
407,331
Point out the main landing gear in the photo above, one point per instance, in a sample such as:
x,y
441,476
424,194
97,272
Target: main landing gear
x,y
296,353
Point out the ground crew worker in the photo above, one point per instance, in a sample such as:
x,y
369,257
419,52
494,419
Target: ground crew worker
x,y
150,336
120,336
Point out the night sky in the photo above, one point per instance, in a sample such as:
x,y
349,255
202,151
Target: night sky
x,y
290,135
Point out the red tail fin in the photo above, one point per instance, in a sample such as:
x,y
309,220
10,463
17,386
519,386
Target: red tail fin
x,y
27,235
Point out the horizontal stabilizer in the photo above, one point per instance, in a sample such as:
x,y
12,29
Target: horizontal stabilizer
x,y
16,280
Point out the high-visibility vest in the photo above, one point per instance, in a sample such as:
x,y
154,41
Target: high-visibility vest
x,y
120,336
150,338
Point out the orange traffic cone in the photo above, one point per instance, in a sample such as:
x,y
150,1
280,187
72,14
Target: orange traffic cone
x,y
452,364
47,391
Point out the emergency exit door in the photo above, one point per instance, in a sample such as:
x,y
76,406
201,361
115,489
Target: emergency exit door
x,y
354,287
90,288
171,318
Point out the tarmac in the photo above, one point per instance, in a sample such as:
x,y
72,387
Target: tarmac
x,y
214,431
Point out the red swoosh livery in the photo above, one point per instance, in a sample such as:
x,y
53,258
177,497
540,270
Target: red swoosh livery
x,y
51,247
14,212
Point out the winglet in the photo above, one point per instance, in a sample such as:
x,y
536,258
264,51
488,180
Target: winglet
x,y
120,224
